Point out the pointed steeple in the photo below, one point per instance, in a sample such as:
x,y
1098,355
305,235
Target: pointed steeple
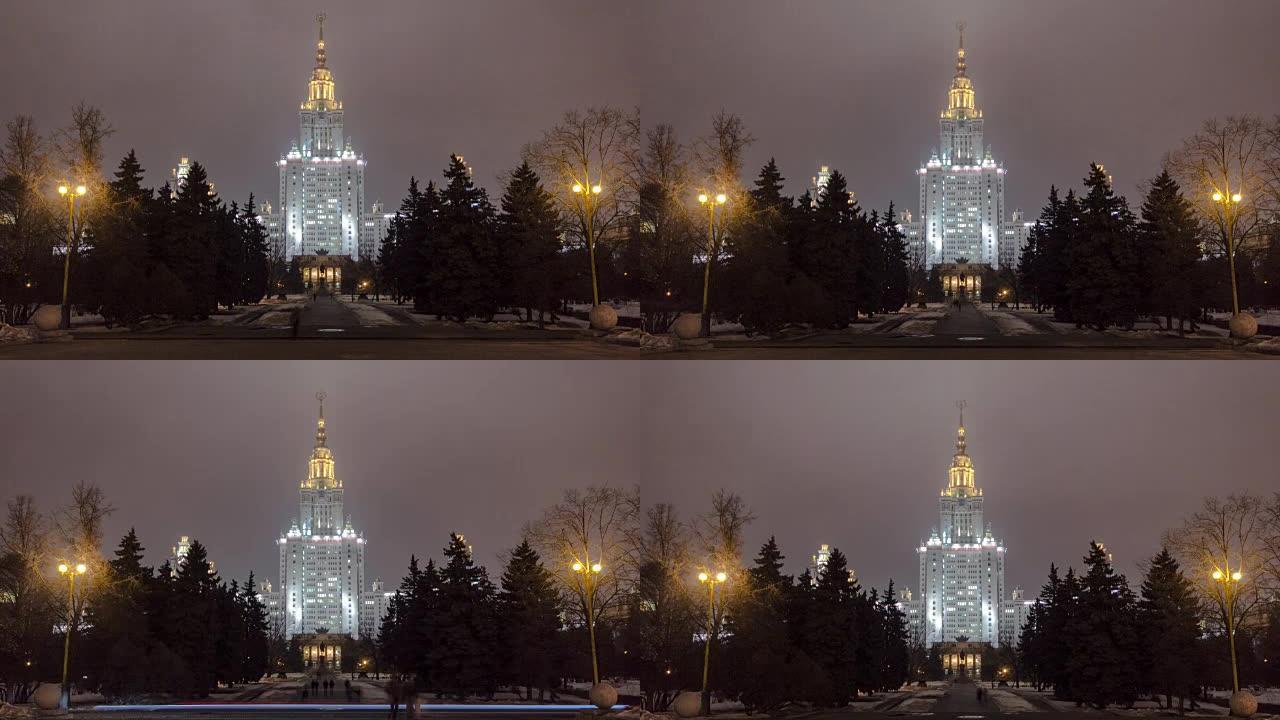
x,y
320,90
960,66
320,45
960,446
320,434
960,482
961,104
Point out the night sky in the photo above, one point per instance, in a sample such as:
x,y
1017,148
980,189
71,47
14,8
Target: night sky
x,y
851,454
856,84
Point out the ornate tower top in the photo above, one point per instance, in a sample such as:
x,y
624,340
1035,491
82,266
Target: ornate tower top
x,y
320,475
961,104
320,91
320,435
960,477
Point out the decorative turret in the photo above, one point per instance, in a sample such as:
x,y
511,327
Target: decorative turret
x,y
320,93
960,99
960,477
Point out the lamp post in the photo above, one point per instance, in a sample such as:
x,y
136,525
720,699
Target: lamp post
x,y
70,192
1230,203
589,193
710,581
588,571
711,204
1230,582
71,572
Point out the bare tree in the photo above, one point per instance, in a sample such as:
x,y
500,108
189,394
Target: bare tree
x,y
80,525
27,238
1223,548
1223,169
663,238
589,541
81,146
720,532
592,151
720,155
30,608
668,612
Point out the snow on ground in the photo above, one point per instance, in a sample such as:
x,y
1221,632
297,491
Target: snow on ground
x,y
369,315
1269,696
279,317
1264,317
625,309
1010,324
9,333
1010,703
920,702
921,324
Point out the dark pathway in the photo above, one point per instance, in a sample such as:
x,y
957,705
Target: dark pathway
x,y
963,698
326,317
966,321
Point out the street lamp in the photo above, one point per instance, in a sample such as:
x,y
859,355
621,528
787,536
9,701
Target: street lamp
x,y
711,202
589,570
71,572
1230,203
1230,582
70,192
588,193
710,581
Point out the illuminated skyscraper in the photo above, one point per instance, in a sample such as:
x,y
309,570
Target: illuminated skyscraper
x,y
321,555
962,212
322,178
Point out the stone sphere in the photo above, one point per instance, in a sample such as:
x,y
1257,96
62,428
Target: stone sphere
x,y
688,326
687,704
47,317
49,696
603,317
1244,704
603,695
1243,326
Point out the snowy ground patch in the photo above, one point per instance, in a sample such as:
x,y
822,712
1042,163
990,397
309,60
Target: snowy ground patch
x,y
370,315
280,317
1010,324
1011,703
920,325
922,701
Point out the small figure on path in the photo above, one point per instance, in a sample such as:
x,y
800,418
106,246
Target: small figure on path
x,y
394,690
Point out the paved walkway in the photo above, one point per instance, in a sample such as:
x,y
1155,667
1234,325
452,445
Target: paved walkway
x,y
963,698
966,321
325,316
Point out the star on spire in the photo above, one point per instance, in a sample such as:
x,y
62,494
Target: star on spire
x,y
320,59
320,434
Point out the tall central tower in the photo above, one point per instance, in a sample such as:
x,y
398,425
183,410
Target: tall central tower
x,y
322,178
962,214
321,555
961,564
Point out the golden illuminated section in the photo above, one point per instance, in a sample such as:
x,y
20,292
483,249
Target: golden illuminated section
x,y
961,104
960,480
320,474
320,94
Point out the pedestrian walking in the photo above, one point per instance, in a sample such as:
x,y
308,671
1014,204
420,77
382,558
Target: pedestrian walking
x,y
394,691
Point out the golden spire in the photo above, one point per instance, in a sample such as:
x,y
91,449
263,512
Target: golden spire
x,y
960,67
960,447
960,99
320,434
320,45
960,481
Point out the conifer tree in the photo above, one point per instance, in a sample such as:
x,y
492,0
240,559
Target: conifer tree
x,y
530,232
528,620
1170,241
1102,636
257,648
824,247
757,266
463,658
255,255
466,263
1103,283
895,276
1169,616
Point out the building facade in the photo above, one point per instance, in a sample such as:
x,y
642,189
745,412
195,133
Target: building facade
x,y
961,601
321,555
321,191
961,200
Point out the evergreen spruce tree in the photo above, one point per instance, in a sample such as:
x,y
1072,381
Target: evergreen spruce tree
x,y
116,259
1103,661
1169,616
1170,241
190,616
256,256
825,247
896,274
528,620
1104,282
466,265
463,659
756,266
189,247
763,667
829,632
896,653
530,237
257,646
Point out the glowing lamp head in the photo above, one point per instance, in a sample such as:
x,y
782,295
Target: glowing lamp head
x,y
702,577
1217,197
1237,198
577,188
720,577
81,568
1236,576
1217,574
63,189
81,190
595,189
702,198
721,199
577,567
597,568
62,568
